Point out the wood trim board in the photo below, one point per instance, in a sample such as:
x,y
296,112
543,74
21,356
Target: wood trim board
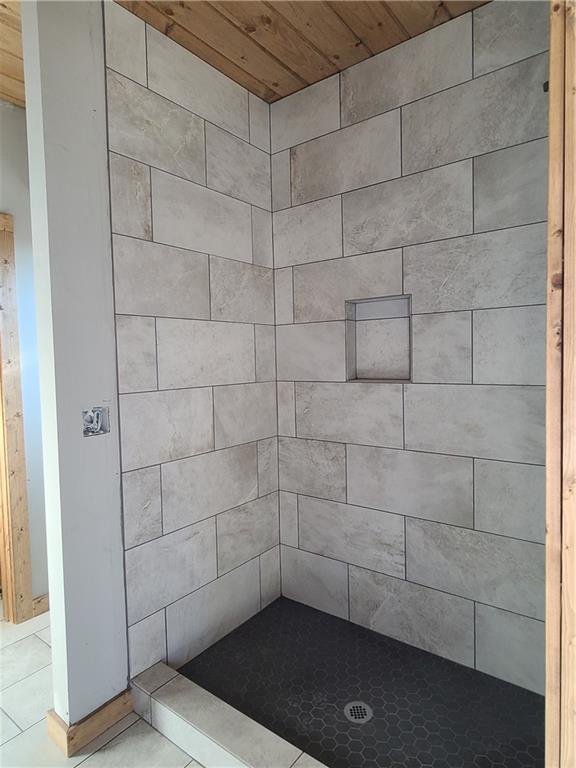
x,y
561,395
71,738
14,532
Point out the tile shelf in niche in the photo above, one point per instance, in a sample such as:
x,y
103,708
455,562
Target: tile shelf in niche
x,y
378,339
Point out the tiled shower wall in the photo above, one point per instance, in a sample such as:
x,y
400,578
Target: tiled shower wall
x,y
417,509
194,300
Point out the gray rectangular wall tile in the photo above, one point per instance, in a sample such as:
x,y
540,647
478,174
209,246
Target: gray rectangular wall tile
x,y
136,350
310,232
492,422
313,467
347,159
497,633
200,619
321,290
286,408
147,426
280,169
510,499
315,581
502,572
470,272
431,620
147,642
510,345
270,585
191,216
243,293
247,531
427,206
182,77
505,32
186,559
289,518
125,36
262,253
383,349
265,339
243,413
306,114
148,128
495,111
259,122
428,63
442,348
152,279
193,353
428,486
236,168
311,352
365,537
510,185
267,465
284,295
130,204
142,506
350,413
196,488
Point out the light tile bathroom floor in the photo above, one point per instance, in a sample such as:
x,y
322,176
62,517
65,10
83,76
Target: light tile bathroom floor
x,y
26,695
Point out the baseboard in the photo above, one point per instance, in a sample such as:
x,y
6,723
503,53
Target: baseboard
x,y
40,605
71,738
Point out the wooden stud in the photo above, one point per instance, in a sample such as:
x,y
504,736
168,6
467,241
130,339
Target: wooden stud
x,y
568,660
554,383
14,534
71,738
40,605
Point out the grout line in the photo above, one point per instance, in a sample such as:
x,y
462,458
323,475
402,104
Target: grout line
x,y
415,517
417,584
116,399
387,249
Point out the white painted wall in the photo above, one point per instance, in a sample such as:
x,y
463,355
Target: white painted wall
x,y
15,199
64,68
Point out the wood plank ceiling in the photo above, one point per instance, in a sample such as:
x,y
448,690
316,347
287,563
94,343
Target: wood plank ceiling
x,y
277,48
271,48
11,63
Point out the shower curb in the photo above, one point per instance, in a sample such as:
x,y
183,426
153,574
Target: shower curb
x,y
206,728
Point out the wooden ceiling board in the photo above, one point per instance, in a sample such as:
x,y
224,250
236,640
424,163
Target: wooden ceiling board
x,y
417,17
320,25
11,59
372,22
262,23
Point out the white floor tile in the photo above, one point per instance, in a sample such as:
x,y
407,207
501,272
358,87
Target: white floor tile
x,y
139,747
27,701
34,749
11,633
8,729
45,635
21,659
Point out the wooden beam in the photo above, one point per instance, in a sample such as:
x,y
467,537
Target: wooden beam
x,y
568,661
14,534
71,738
40,605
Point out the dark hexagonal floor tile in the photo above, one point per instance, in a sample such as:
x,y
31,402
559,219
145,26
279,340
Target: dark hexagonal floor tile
x,y
293,669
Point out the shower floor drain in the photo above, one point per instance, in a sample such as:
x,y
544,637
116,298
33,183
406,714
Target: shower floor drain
x,y
358,712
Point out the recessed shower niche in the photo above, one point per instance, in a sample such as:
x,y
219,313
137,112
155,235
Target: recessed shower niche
x,y
378,339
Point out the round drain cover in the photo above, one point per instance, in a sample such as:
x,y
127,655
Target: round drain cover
x,y
358,712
